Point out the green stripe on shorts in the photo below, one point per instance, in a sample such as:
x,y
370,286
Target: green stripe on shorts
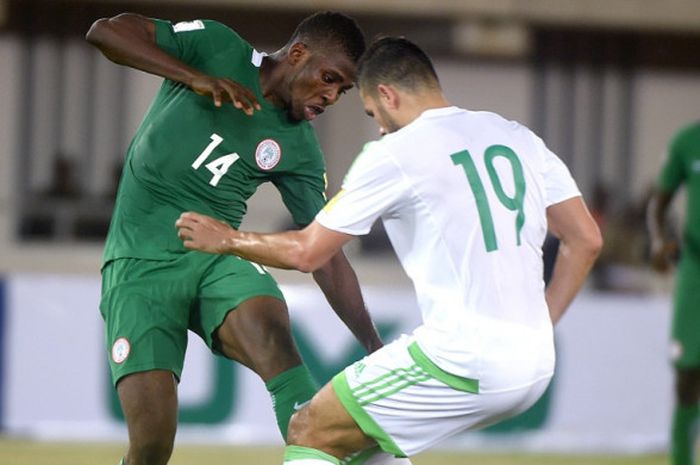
x,y
363,419
388,384
453,381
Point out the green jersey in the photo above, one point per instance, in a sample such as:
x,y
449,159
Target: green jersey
x,y
190,155
683,167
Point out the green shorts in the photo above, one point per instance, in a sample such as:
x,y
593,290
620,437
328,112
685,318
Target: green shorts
x,y
685,328
149,305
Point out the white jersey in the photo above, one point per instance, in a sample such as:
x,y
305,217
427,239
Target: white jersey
x,y
463,198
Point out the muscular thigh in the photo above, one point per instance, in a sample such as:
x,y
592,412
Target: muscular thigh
x,y
226,285
326,424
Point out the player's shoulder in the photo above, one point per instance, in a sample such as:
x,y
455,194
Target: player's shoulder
x,y
689,132
373,153
687,139
213,29
372,148
496,120
475,119
222,30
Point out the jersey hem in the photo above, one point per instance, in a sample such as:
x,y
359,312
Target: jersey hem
x,y
564,198
116,377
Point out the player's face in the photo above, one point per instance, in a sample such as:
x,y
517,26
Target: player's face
x,y
374,108
320,82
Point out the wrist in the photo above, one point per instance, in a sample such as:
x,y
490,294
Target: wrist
x,y
189,77
374,344
228,244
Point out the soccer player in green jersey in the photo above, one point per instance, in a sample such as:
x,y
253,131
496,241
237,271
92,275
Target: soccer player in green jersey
x,y
681,167
226,119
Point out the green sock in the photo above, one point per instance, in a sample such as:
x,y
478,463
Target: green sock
x,y
290,390
683,433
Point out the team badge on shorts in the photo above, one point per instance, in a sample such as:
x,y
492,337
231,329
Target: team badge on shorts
x,y
268,154
120,350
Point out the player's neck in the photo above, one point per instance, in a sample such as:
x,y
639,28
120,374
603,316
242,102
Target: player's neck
x,y
414,105
271,80
432,100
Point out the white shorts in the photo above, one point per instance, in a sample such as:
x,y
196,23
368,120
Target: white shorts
x,y
407,404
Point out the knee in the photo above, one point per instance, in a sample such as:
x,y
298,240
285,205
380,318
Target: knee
x,y
309,431
297,430
687,396
688,388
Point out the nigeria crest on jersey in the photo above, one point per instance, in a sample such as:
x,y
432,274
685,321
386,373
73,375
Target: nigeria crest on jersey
x,y
268,154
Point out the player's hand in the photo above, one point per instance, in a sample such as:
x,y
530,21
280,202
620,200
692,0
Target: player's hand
x,y
663,253
203,233
225,90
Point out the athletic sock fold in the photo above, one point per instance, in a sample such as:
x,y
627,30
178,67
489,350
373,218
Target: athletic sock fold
x,y
290,391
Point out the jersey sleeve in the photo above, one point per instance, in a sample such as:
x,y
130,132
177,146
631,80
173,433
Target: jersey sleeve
x,y
673,173
302,184
195,42
303,195
373,186
558,182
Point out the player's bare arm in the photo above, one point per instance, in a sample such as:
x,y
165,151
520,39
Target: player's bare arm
x,y
663,248
306,250
130,39
580,245
314,249
339,283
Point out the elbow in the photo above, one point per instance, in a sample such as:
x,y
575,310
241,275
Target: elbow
x,y
305,267
95,35
302,259
593,244
586,245
107,32
307,263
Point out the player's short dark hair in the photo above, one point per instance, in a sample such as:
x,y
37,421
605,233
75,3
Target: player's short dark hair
x,y
331,29
397,61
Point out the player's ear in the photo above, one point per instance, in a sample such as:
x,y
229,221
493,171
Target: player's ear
x,y
388,96
297,53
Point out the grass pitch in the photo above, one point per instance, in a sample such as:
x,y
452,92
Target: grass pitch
x,y
21,452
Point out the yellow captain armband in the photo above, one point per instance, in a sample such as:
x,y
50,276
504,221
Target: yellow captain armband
x,y
331,203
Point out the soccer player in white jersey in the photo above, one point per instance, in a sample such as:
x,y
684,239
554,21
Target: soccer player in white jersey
x,y
466,199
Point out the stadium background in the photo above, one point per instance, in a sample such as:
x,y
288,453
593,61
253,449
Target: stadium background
x,y
606,83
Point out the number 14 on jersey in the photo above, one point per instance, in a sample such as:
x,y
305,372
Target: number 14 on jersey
x,y
218,166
